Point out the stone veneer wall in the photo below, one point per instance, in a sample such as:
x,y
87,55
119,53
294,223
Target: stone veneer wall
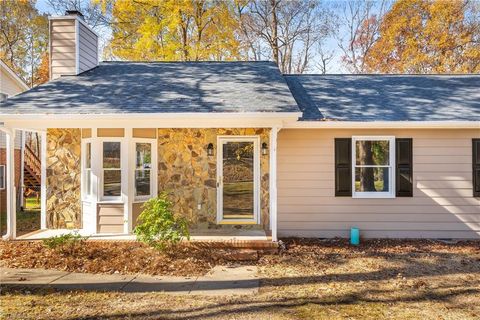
x,y
63,178
185,170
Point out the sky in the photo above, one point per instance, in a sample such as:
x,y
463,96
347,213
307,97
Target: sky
x,y
334,67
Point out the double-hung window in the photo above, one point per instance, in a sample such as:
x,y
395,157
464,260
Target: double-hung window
x,y
373,167
112,170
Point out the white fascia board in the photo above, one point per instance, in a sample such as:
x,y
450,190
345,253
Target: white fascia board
x,y
171,115
383,125
170,120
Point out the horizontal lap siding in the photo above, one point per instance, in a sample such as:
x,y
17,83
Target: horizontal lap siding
x,y
62,48
8,84
442,205
110,218
88,49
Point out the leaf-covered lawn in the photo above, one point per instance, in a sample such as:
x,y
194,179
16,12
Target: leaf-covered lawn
x,y
311,280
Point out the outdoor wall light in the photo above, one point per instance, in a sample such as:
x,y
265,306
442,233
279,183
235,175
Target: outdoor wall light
x,y
264,149
210,149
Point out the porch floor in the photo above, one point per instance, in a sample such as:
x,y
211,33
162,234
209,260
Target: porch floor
x,y
196,235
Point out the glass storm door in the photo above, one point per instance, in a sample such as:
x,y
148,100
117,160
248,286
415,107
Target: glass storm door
x,y
238,171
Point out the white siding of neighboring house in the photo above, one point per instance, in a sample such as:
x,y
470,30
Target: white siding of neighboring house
x,y
8,85
442,205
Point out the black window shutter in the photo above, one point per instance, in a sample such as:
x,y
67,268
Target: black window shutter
x,y
476,167
404,167
343,167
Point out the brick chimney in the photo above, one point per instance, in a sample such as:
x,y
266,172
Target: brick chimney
x,y
73,45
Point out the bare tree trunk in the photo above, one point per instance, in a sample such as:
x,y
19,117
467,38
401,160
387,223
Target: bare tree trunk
x,y
274,4
367,179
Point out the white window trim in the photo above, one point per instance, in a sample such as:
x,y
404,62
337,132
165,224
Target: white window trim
x,y
4,177
391,180
153,169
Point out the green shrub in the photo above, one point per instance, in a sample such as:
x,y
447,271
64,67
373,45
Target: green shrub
x,y
66,243
158,226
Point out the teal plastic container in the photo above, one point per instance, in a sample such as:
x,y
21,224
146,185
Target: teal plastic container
x,y
355,236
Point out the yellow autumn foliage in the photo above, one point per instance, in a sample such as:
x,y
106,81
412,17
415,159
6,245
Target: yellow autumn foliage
x,y
426,36
174,30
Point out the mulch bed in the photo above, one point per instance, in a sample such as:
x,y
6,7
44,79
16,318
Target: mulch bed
x,y
313,256
193,259
115,257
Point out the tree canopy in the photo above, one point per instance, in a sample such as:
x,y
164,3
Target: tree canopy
x,y
23,38
384,36
427,36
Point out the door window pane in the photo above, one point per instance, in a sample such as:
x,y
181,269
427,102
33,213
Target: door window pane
x,y
238,180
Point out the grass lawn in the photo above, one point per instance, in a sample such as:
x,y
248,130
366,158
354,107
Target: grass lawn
x,y
311,280
28,220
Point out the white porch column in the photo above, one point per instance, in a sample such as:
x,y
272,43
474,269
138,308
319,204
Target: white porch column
x,y
22,169
10,175
43,180
273,182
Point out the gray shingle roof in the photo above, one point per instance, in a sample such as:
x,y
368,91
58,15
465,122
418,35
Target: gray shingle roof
x,y
387,97
173,87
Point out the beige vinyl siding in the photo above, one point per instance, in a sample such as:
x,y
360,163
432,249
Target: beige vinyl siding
x,y
62,48
88,55
136,211
110,218
9,85
442,206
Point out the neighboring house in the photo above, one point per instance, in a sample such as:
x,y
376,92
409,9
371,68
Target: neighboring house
x,y
10,85
240,146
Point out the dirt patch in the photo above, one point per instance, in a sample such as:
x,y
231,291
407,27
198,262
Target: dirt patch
x,y
382,279
117,257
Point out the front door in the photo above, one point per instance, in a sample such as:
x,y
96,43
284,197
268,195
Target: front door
x,y
238,174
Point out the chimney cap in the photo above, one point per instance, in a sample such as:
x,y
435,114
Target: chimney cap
x,y
74,13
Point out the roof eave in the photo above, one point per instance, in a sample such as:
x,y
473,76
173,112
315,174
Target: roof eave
x,y
452,124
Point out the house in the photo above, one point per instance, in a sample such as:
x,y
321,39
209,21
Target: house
x,y
243,149
10,85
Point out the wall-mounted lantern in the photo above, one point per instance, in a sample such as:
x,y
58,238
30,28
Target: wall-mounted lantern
x,y
264,149
210,149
